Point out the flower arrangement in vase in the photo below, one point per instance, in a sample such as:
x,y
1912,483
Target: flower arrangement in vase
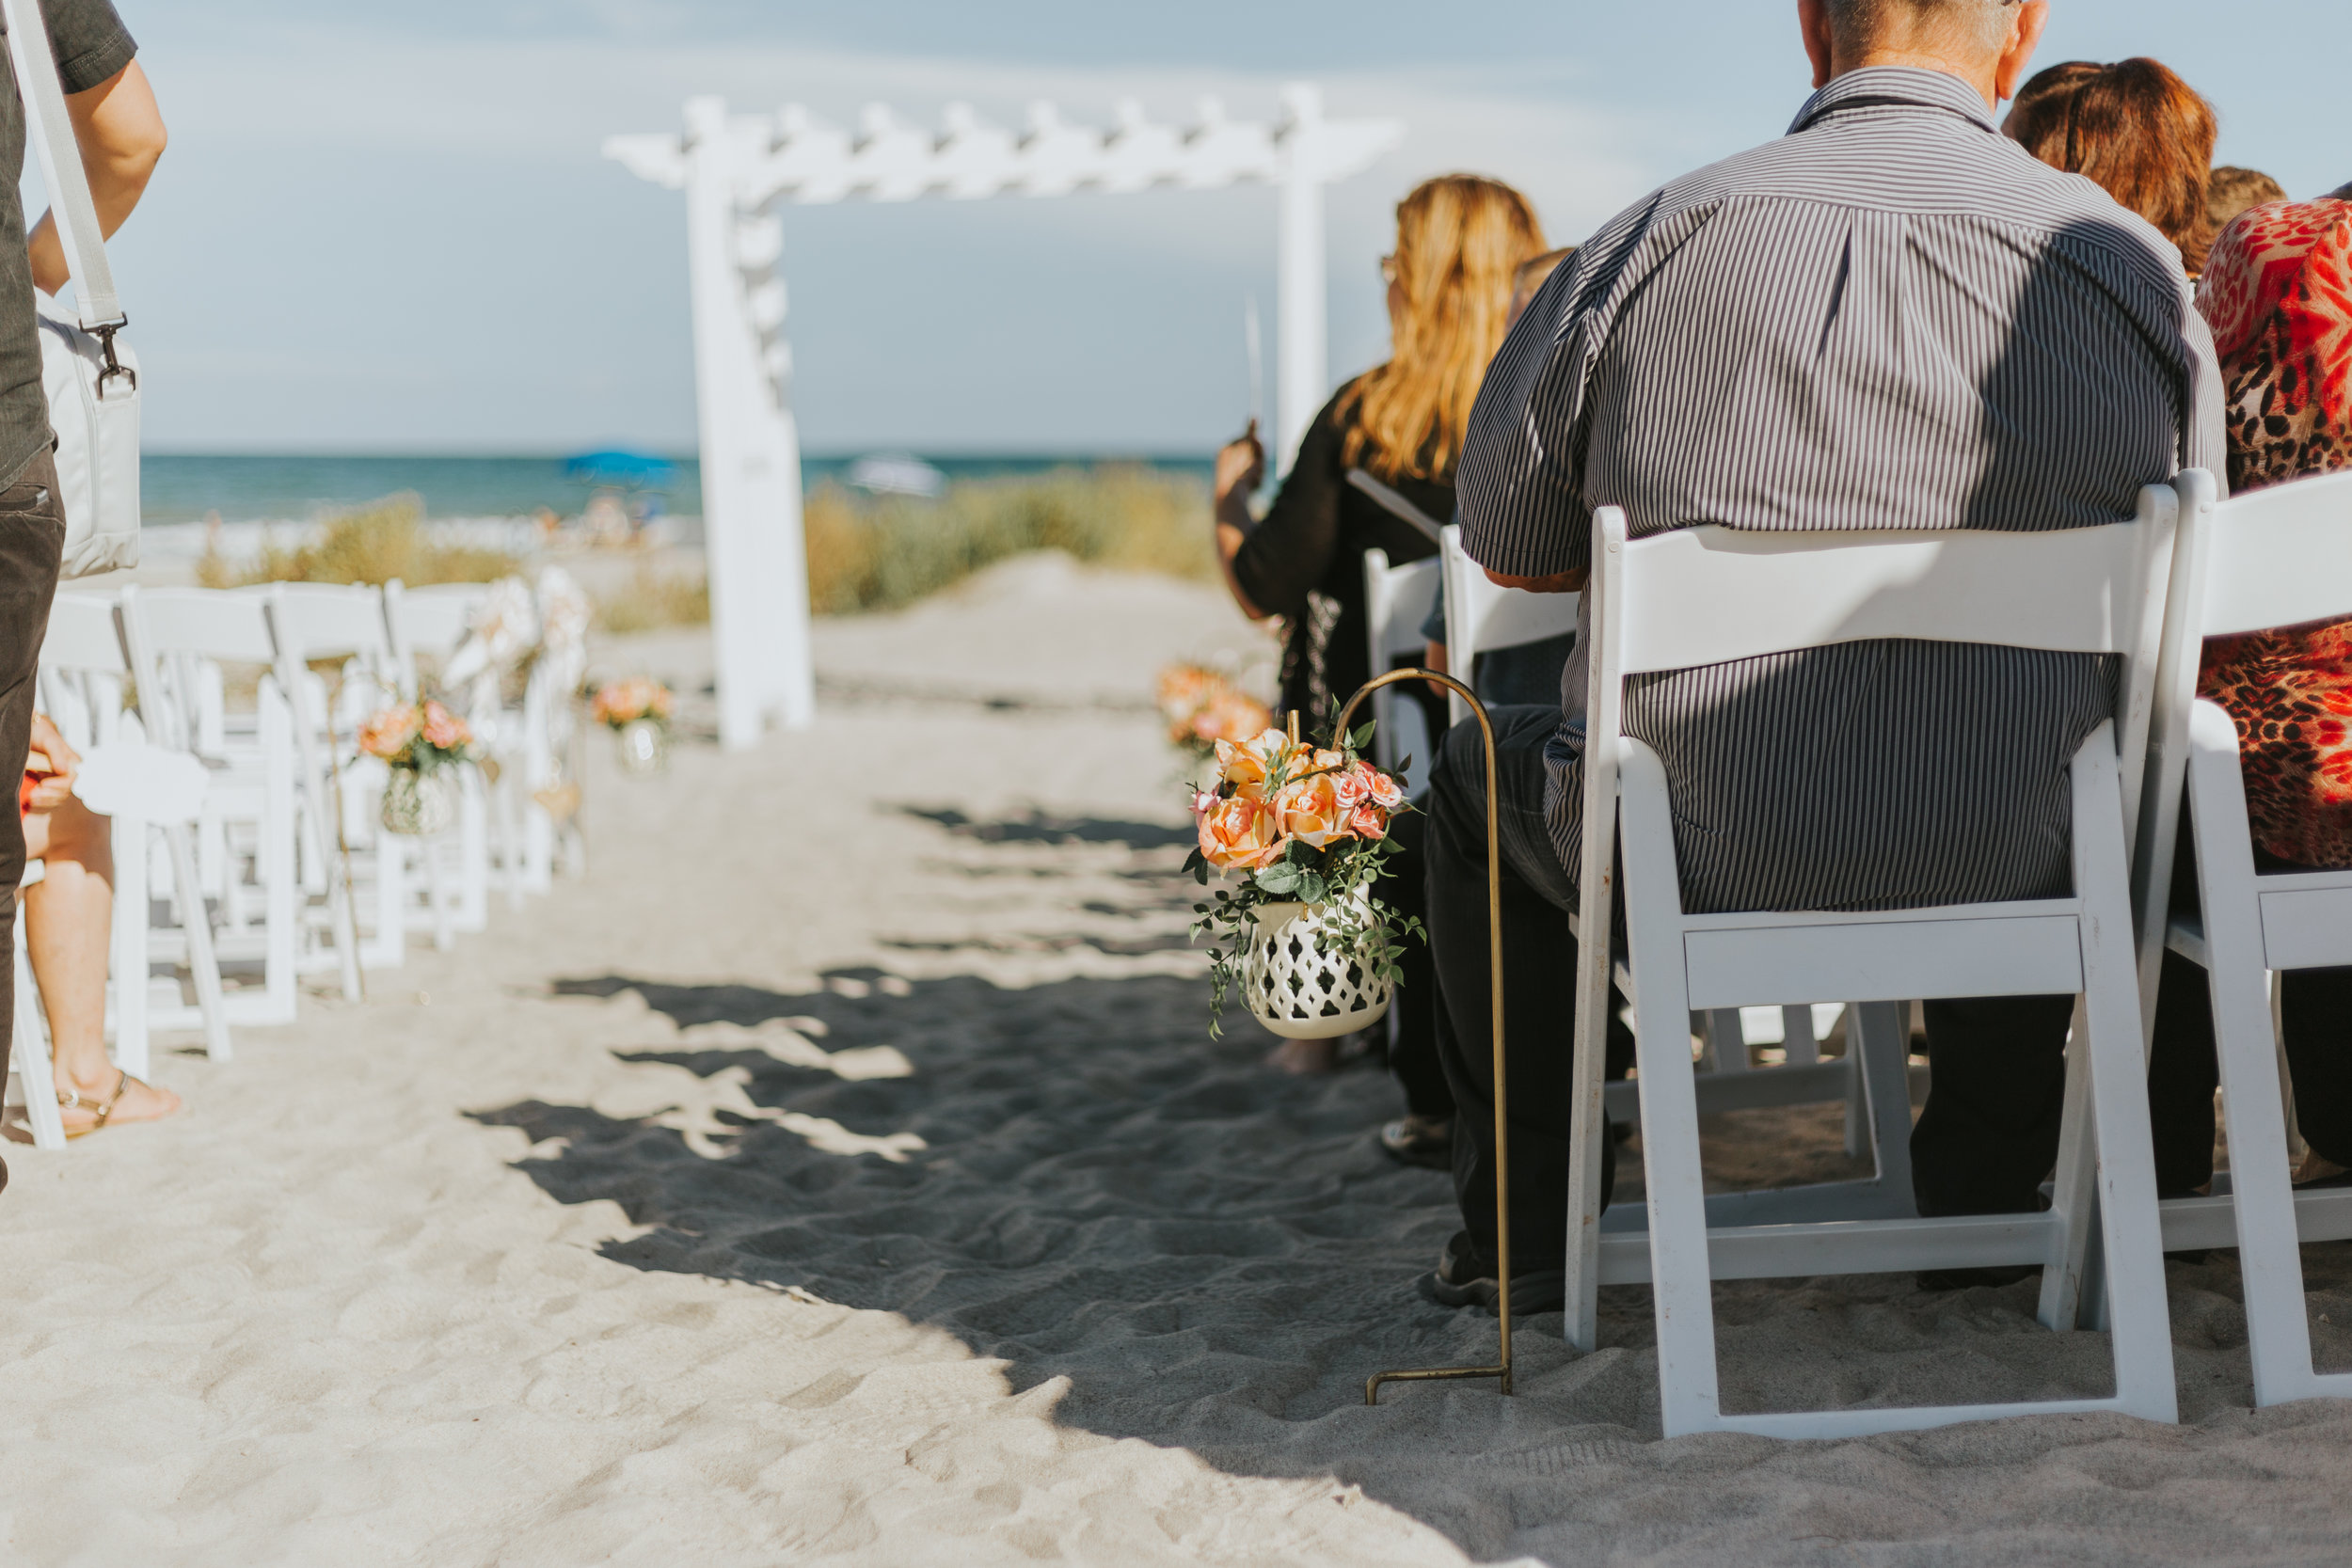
x,y
637,711
421,743
1305,829
1203,706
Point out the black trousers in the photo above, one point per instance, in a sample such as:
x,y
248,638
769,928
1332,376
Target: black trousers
x,y
32,538
2315,1008
1983,1143
1413,1057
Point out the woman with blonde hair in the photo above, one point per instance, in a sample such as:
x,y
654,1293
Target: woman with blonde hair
x,y
1460,240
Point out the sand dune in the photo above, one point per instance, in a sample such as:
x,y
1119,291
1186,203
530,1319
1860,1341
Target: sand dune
x,y
842,1170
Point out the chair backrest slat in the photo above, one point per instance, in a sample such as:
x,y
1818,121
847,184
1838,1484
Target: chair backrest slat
x,y
1398,600
205,622
321,620
1482,615
1708,596
2280,557
85,635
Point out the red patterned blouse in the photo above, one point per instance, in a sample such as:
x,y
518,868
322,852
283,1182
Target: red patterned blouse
x,y
2278,293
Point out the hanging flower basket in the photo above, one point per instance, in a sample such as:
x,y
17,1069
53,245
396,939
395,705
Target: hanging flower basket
x,y
1305,831
1312,971
637,711
417,805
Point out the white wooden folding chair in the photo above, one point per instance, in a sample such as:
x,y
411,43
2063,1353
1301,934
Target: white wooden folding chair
x,y
263,856
345,622
1483,616
1709,596
86,664
2275,557
1397,599
434,622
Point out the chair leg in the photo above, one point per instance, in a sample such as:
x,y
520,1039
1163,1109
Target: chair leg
x,y
198,921
1881,1047
2074,1189
127,960
34,1068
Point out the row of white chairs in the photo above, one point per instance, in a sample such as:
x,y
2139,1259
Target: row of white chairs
x,y
2146,593
248,840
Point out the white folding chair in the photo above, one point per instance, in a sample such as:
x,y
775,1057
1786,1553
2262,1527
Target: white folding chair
x,y
86,664
434,622
263,855
345,622
1397,599
2276,557
1709,596
1483,616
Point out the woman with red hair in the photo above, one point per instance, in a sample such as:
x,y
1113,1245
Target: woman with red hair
x,y
2135,129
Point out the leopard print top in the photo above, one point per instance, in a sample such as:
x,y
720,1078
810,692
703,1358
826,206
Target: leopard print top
x,y
2278,293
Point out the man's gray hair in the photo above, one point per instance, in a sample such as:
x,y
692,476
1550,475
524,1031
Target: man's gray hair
x,y
1970,24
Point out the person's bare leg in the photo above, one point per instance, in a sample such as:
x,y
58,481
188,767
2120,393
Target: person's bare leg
x,y
69,917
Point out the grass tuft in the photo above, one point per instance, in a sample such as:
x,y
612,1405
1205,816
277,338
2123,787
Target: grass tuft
x,y
881,552
374,542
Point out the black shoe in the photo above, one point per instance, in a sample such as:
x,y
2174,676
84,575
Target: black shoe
x,y
1467,1277
1424,1141
1970,1279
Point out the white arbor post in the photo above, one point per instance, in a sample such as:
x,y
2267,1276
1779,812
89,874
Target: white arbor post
x,y
737,169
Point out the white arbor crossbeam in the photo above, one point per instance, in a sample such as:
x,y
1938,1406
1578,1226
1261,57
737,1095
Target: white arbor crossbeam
x,y
738,169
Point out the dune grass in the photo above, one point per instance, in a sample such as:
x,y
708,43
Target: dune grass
x,y
881,552
374,542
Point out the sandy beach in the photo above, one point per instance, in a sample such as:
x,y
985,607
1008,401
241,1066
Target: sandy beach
x,y
841,1169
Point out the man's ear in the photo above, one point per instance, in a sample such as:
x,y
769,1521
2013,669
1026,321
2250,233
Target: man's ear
x,y
2024,37
1820,39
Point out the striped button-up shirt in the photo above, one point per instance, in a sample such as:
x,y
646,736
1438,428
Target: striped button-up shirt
x,y
1891,318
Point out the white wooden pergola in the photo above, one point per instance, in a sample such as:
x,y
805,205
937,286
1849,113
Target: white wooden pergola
x,y
738,169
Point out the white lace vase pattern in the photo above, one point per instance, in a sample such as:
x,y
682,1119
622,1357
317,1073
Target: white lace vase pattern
x,y
1305,981
417,805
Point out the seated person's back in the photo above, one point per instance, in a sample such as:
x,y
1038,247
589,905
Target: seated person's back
x,y
1892,318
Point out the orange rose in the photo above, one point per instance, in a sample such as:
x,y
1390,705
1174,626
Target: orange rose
x,y
1241,833
1382,790
390,732
1368,822
1310,811
1246,764
443,730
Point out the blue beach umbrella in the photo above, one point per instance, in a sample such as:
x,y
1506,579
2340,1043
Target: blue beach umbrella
x,y
627,469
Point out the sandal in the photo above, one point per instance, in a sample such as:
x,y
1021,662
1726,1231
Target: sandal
x,y
72,1100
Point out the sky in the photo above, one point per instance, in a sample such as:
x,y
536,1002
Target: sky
x,y
390,227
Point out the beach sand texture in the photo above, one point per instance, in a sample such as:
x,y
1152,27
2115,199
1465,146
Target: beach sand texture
x,y
842,1170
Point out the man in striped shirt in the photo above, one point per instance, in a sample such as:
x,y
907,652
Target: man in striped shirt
x,y
1891,318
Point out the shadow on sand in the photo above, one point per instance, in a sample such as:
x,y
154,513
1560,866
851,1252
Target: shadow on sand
x,y
1215,1255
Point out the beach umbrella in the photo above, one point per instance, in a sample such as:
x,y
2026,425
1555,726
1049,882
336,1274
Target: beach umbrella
x,y
620,468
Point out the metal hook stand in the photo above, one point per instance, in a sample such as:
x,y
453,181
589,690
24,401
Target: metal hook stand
x,y
1501,1370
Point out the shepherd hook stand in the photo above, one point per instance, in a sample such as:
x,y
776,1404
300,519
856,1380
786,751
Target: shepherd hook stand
x,y
1501,1370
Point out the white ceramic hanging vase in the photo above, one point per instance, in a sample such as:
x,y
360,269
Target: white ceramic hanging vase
x,y
1306,982
417,805
642,746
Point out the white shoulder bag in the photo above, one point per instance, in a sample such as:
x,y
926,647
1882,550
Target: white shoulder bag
x,y
92,379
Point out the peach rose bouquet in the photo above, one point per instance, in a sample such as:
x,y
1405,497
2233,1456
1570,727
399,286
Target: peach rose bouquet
x,y
624,702
1294,822
421,738
1203,707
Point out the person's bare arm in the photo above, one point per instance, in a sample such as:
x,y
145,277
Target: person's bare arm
x,y
1240,470
121,135
1558,582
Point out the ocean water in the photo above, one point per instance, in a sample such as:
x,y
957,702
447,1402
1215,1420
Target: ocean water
x,y
188,489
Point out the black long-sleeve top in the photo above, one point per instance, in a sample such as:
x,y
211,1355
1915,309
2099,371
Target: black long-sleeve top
x,y
1304,562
